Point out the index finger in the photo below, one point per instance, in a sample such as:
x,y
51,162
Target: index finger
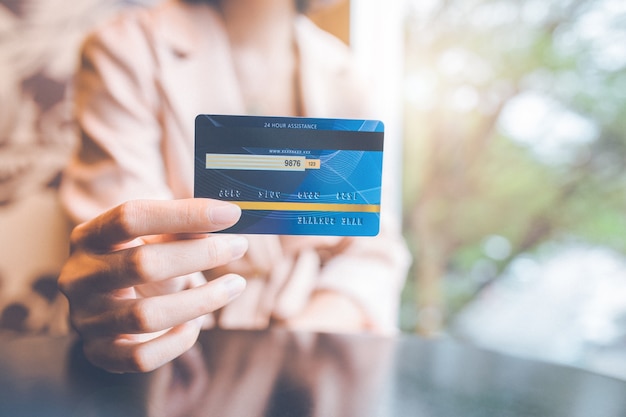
x,y
137,218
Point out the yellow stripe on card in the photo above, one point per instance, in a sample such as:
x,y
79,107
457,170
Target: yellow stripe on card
x,y
291,206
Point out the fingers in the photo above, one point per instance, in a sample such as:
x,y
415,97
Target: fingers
x,y
154,314
140,335
134,305
138,218
127,355
149,263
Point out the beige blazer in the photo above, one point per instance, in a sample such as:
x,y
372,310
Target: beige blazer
x,y
144,77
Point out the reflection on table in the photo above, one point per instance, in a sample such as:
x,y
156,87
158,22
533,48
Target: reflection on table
x,y
281,373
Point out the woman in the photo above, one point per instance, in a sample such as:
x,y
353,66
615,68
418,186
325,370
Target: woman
x,y
136,296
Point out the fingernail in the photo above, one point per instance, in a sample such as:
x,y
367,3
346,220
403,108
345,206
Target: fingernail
x,y
225,214
238,246
234,286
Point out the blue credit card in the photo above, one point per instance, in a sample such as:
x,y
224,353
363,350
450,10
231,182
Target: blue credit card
x,y
292,175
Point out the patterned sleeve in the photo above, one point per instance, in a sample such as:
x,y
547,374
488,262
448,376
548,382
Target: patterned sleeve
x,y
116,108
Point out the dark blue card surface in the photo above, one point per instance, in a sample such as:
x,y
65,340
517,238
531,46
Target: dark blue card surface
x,y
292,175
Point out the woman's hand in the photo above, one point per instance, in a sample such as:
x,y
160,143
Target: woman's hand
x,y
132,281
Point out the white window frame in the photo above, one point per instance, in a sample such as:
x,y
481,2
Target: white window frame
x,y
377,40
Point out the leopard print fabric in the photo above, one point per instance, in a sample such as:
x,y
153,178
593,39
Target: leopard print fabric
x,y
39,41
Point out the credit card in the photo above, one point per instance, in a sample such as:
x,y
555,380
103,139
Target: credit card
x,y
292,175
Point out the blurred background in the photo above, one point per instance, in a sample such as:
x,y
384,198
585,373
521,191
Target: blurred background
x,y
514,176
506,121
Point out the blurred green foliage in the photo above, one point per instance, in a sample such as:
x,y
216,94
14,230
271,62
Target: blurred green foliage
x,y
515,138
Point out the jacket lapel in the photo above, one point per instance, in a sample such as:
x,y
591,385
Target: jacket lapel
x,y
192,81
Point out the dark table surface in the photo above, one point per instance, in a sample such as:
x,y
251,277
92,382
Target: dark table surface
x,y
280,373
